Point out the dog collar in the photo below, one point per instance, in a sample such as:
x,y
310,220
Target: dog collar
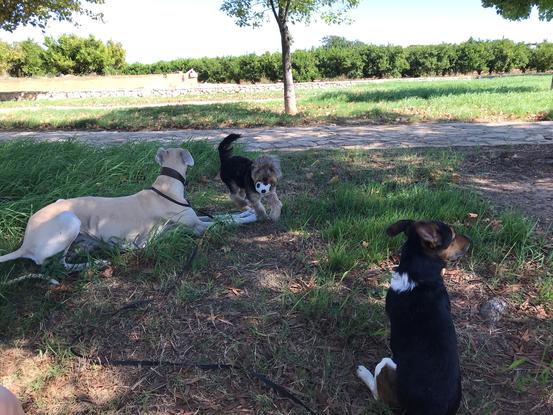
x,y
169,172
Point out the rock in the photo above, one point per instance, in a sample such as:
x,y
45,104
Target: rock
x,y
493,309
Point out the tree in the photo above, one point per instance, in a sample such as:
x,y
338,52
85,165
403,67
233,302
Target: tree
x,y
330,42
38,12
28,60
254,13
521,9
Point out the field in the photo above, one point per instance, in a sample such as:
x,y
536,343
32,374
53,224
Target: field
x,y
300,301
506,98
91,83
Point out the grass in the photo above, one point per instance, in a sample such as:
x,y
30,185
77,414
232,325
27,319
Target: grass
x,y
301,300
509,98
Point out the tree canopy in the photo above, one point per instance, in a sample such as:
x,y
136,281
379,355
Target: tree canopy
x,y
38,12
255,12
521,9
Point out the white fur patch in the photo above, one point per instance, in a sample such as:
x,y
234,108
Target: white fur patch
x,y
262,189
401,282
366,376
384,362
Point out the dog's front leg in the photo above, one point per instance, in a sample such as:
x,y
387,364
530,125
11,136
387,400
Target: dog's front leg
x,y
255,200
275,206
189,219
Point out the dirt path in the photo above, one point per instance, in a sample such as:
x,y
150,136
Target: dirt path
x,y
368,137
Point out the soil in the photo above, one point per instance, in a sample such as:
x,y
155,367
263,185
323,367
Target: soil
x,y
518,177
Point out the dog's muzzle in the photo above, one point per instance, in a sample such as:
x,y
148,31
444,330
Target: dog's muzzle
x,y
262,188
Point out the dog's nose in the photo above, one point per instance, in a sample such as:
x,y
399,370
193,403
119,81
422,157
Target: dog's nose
x,y
263,191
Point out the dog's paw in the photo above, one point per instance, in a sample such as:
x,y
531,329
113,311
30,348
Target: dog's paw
x,y
245,214
248,219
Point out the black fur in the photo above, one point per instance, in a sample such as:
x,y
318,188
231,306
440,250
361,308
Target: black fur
x,y
423,338
235,170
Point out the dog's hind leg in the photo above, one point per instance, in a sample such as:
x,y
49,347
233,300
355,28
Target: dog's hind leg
x,y
46,240
239,200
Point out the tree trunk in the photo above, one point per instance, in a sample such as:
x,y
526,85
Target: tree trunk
x,y
289,93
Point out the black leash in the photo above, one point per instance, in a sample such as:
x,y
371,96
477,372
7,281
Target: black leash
x,y
279,389
169,172
169,198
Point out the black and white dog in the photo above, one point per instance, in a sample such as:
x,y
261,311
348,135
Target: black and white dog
x,y
424,376
250,181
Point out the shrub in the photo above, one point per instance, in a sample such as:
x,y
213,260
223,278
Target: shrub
x,y
251,68
422,60
472,56
337,62
304,66
272,66
27,59
507,55
383,61
542,57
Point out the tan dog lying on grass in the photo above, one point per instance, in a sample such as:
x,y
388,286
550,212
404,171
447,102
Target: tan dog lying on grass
x,y
128,220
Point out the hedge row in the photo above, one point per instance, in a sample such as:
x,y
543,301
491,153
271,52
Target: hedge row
x,y
337,58
367,61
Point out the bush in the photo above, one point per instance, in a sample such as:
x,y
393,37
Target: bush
x,y
272,66
338,62
251,68
383,61
304,66
507,55
27,59
8,54
472,56
541,58
422,60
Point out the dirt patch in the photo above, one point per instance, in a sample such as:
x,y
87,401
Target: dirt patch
x,y
514,177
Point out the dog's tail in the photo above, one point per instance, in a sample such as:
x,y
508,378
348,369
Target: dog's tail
x,y
13,255
225,149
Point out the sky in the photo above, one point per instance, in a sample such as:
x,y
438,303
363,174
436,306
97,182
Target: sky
x,y
153,30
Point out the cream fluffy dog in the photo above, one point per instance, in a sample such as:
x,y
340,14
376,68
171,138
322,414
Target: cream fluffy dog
x,y
128,220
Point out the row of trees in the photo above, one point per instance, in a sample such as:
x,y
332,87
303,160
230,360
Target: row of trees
x,y
340,58
337,58
69,54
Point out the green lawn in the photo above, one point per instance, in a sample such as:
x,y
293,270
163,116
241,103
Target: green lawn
x,y
301,300
507,98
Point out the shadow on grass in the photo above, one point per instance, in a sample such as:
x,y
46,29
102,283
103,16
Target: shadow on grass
x,y
301,301
188,116
403,92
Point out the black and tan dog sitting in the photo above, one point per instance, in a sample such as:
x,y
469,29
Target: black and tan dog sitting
x,y
424,376
250,181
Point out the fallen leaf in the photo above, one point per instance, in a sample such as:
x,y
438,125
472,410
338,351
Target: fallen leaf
x,y
107,273
334,180
472,216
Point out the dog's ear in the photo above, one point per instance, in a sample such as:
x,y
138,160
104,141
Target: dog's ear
x,y
429,233
161,152
399,226
186,157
